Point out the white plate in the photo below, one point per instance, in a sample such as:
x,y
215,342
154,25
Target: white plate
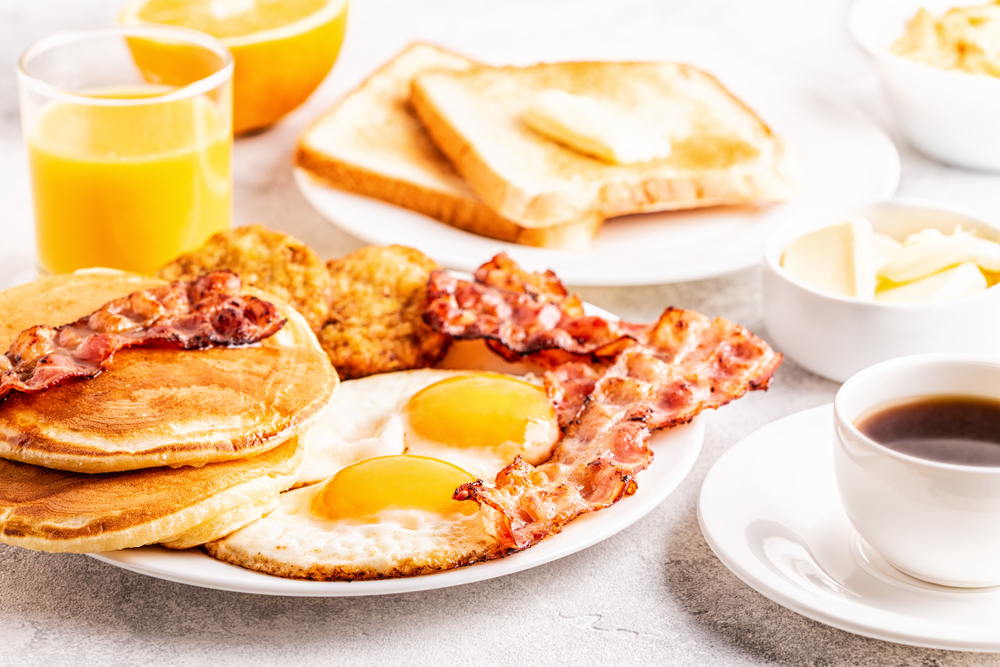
x,y
770,511
676,451
846,159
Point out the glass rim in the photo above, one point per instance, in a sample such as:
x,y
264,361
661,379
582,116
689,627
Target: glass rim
x,y
176,33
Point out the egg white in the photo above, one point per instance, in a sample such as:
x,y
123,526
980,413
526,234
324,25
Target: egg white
x,y
484,463
293,542
365,420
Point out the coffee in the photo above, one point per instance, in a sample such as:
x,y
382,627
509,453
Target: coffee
x,y
964,430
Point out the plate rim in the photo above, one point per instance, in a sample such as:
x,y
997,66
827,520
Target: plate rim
x,y
694,434
458,576
762,436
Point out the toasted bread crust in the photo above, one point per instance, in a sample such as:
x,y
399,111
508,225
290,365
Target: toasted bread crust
x,y
438,192
538,183
469,215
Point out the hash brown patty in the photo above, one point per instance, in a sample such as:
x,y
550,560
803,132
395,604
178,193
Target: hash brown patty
x,y
266,259
374,323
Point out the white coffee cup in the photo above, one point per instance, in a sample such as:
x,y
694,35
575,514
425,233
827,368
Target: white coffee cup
x,y
939,522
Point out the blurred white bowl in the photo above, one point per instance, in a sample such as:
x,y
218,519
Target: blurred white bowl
x,y
836,337
951,116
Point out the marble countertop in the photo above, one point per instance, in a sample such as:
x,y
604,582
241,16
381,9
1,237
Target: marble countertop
x,y
654,593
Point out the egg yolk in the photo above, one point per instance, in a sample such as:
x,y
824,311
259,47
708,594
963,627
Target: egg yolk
x,y
366,488
484,410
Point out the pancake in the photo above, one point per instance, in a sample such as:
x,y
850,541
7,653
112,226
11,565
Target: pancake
x,y
155,406
247,510
55,510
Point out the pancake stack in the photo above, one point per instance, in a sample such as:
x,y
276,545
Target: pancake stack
x,y
168,446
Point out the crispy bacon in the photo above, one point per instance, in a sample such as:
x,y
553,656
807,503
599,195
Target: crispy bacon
x,y
568,385
690,364
207,312
518,323
612,383
503,273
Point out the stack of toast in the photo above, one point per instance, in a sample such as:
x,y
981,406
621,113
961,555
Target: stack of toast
x,y
446,136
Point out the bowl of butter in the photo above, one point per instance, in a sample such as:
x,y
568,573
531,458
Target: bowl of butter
x,y
939,61
844,290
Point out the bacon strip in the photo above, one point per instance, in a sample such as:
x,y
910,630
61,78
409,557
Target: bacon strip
x,y
568,385
613,383
207,312
523,323
504,274
690,364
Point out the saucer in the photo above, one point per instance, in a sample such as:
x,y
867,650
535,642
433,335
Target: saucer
x,y
770,511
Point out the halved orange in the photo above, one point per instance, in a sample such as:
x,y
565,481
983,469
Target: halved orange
x,y
283,49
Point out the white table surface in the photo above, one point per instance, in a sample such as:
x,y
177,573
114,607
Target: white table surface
x,y
652,594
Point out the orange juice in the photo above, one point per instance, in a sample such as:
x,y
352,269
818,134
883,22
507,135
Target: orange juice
x,y
282,49
131,186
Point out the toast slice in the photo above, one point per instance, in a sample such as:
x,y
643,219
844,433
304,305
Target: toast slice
x,y
372,144
722,153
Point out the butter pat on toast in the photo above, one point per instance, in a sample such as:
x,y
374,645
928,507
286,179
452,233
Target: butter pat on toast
x,y
721,152
373,144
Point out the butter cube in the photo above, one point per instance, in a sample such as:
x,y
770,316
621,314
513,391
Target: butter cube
x,y
928,251
594,128
839,259
954,283
885,248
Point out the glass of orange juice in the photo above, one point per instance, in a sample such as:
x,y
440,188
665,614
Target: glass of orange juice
x,y
129,136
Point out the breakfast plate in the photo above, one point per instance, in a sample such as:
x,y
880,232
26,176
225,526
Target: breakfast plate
x,y
845,159
770,511
676,451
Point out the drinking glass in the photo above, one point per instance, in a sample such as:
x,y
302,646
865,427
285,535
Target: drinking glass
x,y
129,137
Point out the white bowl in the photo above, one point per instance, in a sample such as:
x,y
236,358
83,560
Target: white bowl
x,y
836,337
939,522
951,116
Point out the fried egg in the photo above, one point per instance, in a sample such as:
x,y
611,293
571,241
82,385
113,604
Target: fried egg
x,y
477,421
381,472
390,516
